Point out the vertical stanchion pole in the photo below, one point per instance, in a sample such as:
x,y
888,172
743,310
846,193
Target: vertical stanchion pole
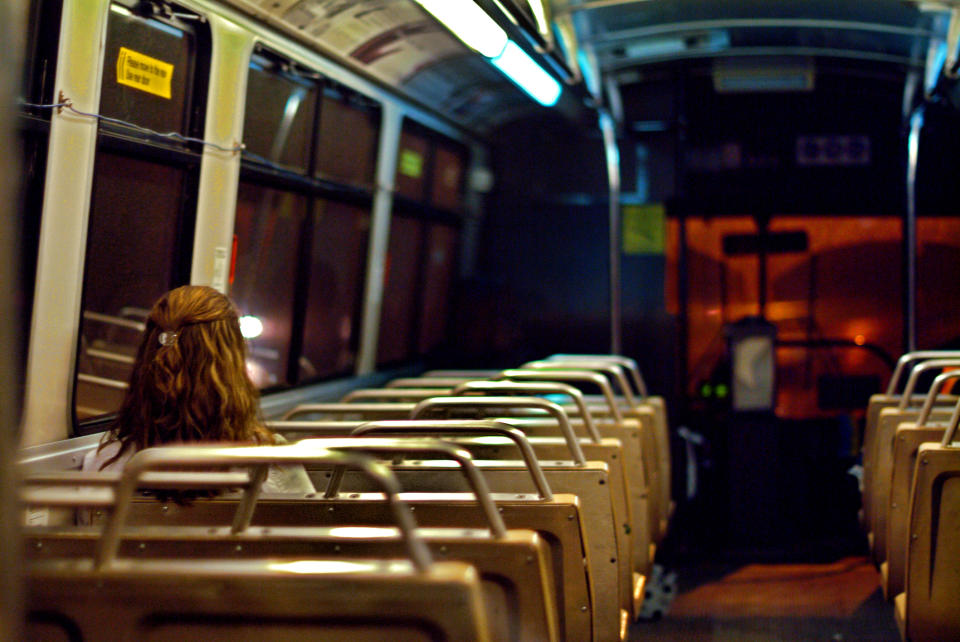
x,y
612,155
12,15
910,234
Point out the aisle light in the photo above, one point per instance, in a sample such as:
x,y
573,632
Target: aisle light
x,y
469,23
528,75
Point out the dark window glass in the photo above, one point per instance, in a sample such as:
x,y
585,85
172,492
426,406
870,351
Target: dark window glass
x,y
147,72
131,260
347,149
141,213
43,34
279,115
438,271
267,231
412,164
337,268
449,163
397,317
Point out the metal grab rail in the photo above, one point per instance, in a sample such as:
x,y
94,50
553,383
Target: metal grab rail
x,y
951,432
612,370
102,381
935,388
934,364
109,319
382,445
468,427
628,364
910,357
569,376
534,403
341,408
536,388
137,472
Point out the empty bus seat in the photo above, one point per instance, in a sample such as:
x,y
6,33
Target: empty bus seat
x,y
213,599
891,398
928,607
881,456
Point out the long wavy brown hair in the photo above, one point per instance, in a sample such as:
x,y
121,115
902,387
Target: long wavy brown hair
x,y
189,380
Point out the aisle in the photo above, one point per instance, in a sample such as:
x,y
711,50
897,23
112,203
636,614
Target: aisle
x,y
838,601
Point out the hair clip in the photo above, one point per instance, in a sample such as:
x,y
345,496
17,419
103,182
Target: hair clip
x,y
168,338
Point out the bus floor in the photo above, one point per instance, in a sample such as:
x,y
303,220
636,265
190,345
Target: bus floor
x,y
748,601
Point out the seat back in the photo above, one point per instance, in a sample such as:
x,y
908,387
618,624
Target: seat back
x,y
928,608
559,522
159,598
878,491
253,600
906,445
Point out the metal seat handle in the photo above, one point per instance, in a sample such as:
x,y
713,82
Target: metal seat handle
x,y
630,365
341,408
363,395
951,432
534,403
167,457
570,376
470,427
386,446
912,357
537,388
613,371
926,366
935,388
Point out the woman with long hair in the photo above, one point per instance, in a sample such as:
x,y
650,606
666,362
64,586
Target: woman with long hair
x,y
190,384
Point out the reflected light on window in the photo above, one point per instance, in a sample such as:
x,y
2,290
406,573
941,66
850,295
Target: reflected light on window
x,y
258,375
250,327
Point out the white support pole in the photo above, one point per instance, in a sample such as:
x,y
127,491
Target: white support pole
x,y
391,121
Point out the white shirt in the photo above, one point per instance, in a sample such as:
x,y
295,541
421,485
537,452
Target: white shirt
x,y
280,479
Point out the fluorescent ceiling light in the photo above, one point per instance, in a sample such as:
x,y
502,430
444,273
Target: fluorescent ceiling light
x,y
528,75
469,23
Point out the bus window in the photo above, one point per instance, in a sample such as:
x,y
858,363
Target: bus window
x,y
143,195
146,63
412,164
279,115
438,271
447,177
337,268
267,230
398,314
349,159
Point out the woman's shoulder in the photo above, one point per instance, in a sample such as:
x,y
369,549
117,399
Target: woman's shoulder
x,y
108,448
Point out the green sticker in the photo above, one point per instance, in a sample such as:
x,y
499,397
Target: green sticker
x,y
644,228
411,163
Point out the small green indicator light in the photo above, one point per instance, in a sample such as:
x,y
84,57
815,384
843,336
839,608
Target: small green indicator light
x,y
706,390
722,391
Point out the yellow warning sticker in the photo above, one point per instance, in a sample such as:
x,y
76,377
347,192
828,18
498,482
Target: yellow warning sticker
x,y
142,72
411,163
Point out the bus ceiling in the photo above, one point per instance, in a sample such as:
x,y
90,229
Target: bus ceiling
x,y
484,63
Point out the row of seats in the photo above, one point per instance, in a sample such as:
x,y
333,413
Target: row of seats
x,y
911,495
529,511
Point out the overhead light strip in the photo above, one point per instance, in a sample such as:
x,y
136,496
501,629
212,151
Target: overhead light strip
x,y
528,75
471,24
